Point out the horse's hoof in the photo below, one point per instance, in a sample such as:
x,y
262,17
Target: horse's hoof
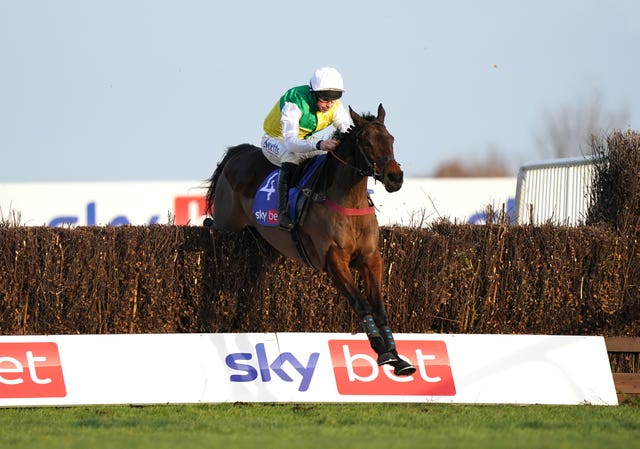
x,y
403,368
207,222
386,358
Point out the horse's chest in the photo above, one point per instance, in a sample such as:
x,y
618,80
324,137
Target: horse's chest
x,y
357,240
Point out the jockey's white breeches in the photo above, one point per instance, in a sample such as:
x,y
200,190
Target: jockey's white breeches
x,y
273,149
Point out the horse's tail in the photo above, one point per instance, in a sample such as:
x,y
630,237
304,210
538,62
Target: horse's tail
x,y
213,180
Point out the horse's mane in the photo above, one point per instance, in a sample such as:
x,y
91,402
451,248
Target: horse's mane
x,y
348,138
350,133
368,116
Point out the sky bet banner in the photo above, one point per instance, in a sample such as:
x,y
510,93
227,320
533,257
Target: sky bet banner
x,y
301,367
419,202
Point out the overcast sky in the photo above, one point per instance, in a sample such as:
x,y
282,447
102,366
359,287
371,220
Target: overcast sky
x,y
157,89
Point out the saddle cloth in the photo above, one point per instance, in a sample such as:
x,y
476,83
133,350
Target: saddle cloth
x,y
265,203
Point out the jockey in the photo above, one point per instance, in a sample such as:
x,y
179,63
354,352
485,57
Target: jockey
x,y
290,126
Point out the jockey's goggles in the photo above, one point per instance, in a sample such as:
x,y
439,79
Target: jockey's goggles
x,y
328,95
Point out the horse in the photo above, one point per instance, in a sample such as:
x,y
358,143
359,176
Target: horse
x,y
339,230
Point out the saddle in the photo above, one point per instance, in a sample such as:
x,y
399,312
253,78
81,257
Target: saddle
x,y
265,203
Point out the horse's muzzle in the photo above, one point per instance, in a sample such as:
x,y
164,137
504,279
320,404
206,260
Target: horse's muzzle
x,y
392,176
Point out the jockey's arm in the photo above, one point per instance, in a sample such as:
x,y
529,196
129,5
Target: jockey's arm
x,y
290,122
341,119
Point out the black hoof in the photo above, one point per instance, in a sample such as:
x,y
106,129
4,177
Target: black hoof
x,y
403,368
386,358
207,222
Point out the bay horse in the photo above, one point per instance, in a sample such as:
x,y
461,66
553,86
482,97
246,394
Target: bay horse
x,y
339,230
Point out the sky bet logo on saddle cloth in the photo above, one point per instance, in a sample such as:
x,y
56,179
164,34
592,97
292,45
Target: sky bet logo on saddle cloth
x,y
357,372
265,204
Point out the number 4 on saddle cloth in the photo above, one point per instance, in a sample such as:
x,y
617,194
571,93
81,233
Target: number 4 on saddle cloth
x,y
265,204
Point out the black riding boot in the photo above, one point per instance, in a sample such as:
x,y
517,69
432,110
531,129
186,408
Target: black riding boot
x,y
286,173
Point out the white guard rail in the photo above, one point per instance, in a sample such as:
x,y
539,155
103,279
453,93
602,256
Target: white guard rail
x,y
555,190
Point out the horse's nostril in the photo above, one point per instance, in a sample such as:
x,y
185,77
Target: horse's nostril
x,y
396,177
393,181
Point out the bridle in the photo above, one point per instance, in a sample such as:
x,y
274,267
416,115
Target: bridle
x,y
371,168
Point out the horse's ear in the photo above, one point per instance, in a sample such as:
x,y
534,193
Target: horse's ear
x,y
381,113
357,120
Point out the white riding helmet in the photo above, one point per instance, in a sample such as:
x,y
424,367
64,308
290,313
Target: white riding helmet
x,y
326,78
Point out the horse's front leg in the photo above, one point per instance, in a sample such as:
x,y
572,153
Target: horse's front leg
x,y
337,266
371,271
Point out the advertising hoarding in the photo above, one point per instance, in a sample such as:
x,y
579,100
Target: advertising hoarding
x,y
301,367
419,202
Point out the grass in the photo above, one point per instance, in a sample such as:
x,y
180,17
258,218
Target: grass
x,y
340,426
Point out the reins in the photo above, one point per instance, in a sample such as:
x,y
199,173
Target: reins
x,y
370,170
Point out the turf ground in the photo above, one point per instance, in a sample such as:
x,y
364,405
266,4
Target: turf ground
x,y
338,426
